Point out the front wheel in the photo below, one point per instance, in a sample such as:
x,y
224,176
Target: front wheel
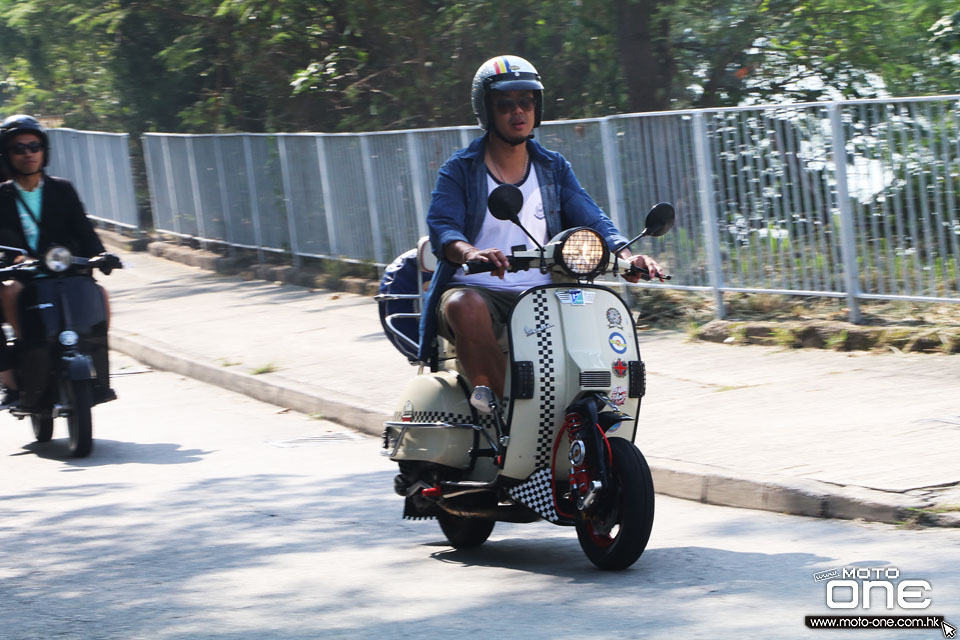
x,y
42,426
79,422
464,533
618,532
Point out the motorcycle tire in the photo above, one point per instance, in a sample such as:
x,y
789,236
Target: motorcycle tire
x,y
79,422
616,540
42,426
466,533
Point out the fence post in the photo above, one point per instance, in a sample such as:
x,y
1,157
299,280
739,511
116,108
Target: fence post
x,y
327,196
171,192
708,210
848,246
416,177
195,192
254,199
614,174
372,199
224,197
288,200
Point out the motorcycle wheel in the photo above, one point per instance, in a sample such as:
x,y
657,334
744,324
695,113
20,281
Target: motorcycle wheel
x,y
465,533
42,426
615,539
79,422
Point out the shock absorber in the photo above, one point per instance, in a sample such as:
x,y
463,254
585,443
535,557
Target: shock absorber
x,y
582,486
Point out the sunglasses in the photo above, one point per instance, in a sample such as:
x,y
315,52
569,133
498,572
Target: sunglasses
x,y
508,105
20,148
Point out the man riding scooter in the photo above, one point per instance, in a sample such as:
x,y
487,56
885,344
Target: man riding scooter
x,y
470,310
37,211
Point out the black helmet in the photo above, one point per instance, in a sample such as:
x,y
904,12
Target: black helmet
x,y
505,73
15,125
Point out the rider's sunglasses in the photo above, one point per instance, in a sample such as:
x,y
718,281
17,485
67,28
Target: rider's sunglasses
x,y
507,105
21,148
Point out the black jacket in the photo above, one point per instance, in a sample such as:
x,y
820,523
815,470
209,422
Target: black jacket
x,y
62,220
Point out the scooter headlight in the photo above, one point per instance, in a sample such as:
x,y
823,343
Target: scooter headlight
x,y
58,259
582,253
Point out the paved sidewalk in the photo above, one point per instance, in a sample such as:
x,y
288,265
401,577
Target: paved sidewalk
x,y
811,432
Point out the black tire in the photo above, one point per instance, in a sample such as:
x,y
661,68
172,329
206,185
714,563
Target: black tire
x,y
465,533
42,426
617,538
79,422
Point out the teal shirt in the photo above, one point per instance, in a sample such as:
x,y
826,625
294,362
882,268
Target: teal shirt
x,y
34,200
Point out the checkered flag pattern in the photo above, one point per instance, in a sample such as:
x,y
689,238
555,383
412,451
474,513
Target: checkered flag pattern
x,y
446,416
547,381
537,493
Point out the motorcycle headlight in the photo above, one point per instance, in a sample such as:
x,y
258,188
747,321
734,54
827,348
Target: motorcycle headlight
x,y
582,253
58,259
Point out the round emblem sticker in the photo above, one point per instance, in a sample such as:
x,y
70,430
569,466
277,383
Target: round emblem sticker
x,y
617,342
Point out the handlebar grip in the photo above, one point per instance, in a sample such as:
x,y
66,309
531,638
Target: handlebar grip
x,y
646,272
478,266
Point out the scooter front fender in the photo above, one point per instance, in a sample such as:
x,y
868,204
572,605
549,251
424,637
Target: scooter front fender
x,y
78,367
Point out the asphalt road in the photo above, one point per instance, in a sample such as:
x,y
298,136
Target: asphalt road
x,y
205,514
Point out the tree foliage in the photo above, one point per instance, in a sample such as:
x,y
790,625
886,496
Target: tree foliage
x,y
338,65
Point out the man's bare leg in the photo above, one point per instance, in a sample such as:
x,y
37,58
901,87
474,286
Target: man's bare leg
x,y
477,348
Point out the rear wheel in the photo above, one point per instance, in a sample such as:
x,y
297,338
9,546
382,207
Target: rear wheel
x,y
464,533
42,426
618,533
79,422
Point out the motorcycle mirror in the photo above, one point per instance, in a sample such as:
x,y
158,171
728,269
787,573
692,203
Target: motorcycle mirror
x,y
659,220
505,203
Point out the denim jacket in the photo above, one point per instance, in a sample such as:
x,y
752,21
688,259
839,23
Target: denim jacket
x,y
459,204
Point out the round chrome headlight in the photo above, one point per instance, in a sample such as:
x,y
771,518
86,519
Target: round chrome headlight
x,y
583,253
69,338
58,259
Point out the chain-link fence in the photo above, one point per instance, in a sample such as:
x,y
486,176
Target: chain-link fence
x,y
98,165
848,199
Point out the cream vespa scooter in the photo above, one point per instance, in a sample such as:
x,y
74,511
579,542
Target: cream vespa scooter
x,y
559,447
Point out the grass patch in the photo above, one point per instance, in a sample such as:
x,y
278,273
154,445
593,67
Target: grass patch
x,y
267,368
837,341
224,362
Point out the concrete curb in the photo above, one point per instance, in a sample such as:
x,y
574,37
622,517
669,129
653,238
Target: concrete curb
x,y
703,483
284,394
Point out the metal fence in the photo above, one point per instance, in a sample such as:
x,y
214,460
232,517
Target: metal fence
x,y
849,199
98,165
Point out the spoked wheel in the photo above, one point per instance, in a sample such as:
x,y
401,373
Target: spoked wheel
x,y
42,425
616,537
464,533
79,422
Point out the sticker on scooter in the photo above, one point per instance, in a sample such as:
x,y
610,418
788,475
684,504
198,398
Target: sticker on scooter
x,y
618,396
617,342
576,297
540,329
620,368
614,319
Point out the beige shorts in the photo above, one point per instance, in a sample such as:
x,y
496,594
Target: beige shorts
x,y
498,302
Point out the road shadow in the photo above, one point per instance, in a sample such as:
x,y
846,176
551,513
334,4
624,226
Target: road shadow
x,y
115,452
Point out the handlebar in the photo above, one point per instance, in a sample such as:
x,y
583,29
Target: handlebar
x,y
478,266
645,272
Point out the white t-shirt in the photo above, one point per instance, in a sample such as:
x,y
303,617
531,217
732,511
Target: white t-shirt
x,y
503,234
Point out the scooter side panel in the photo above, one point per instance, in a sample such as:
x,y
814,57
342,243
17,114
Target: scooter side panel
x,y
436,397
566,331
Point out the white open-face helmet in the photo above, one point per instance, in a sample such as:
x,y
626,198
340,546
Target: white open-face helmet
x,y
505,73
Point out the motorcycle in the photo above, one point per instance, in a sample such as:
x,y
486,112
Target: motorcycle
x,y
559,446
62,363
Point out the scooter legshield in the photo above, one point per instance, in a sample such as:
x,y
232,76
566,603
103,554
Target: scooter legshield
x,y
579,339
47,307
